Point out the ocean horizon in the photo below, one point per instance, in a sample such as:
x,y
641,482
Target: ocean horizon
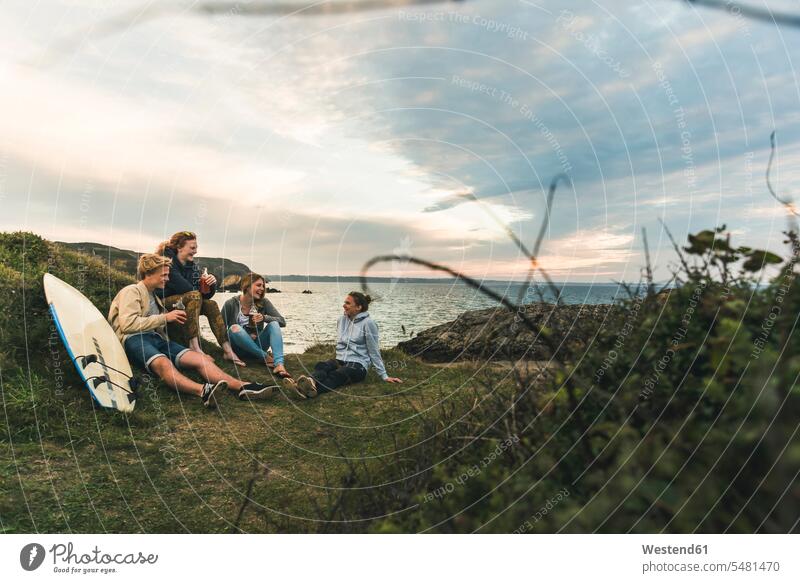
x,y
401,309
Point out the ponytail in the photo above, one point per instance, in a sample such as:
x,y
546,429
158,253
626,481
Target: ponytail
x,y
362,300
175,242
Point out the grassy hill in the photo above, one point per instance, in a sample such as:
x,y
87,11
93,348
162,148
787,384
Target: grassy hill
x,y
125,260
172,466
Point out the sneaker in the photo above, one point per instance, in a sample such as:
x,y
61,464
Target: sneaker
x,y
290,389
255,391
210,393
307,387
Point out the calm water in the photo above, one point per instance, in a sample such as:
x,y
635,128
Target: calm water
x,y
311,318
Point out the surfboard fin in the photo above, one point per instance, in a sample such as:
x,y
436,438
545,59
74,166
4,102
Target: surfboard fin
x,y
86,360
97,381
131,392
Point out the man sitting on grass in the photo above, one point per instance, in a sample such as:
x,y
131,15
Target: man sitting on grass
x,y
137,316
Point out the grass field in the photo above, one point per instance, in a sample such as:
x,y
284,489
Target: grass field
x,y
679,415
172,466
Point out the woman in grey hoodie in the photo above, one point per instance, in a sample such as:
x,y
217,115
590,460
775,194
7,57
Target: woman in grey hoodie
x,y
357,347
254,324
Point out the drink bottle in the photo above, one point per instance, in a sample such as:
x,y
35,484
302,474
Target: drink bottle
x,y
204,287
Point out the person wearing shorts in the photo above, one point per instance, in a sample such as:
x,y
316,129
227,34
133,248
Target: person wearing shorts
x,y
138,318
144,347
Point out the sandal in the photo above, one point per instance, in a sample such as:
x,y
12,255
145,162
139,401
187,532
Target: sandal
x,y
284,374
235,360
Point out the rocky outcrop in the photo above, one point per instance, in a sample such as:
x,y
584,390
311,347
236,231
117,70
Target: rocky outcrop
x,y
493,333
232,283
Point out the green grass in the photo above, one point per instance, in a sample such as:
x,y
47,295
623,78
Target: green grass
x,y
172,466
691,427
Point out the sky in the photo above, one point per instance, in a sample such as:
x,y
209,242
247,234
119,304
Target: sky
x,y
309,143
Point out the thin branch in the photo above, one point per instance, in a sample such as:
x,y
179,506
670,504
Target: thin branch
x,y
473,283
532,254
322,8
538,244
675,246
256,474
750,11
787,203
665,287
128,19
649,267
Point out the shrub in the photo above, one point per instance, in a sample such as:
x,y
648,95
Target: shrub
x,y
680,417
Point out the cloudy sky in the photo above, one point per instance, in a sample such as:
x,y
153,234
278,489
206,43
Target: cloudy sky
x,y
307,143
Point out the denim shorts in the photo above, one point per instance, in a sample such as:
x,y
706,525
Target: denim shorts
x,y
145,347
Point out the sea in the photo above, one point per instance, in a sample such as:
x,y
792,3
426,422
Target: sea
x,y
401,310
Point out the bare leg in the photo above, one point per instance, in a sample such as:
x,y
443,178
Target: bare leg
x,y
210,309
204,364
231,355
164,369
194,345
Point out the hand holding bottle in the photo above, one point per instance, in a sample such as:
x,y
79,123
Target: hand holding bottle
x,y
178,316
178,313
255,315
206,281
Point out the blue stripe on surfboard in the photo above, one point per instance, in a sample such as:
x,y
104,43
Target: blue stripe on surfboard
x,y
71,355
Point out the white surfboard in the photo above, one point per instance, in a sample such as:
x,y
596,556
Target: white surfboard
x,y
92,345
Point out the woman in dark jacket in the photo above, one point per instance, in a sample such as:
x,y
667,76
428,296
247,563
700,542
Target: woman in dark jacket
x,y
254,325
194,289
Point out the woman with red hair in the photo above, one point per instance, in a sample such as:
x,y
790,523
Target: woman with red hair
x,y
189,287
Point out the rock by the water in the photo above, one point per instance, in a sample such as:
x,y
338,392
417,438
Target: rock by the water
x,y
232,283
493,333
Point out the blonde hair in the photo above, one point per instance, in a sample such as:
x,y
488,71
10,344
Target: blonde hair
x,y
249,280
150,262
175,242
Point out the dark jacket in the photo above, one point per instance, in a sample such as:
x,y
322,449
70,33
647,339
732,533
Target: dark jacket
x,y
231,308
183,278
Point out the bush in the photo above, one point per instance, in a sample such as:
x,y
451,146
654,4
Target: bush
x,y
33,361
680,417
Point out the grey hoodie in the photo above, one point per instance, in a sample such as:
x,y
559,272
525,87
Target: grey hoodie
x,y
359,342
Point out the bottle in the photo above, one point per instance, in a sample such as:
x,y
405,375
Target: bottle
x,y
253,312
179,304
204,287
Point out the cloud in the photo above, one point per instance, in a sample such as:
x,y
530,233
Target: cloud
x,y
363,130
85,132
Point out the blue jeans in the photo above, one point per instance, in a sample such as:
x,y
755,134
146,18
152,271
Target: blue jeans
x,y
270,336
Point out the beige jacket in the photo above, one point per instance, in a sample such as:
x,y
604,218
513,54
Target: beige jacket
x,y
129,313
